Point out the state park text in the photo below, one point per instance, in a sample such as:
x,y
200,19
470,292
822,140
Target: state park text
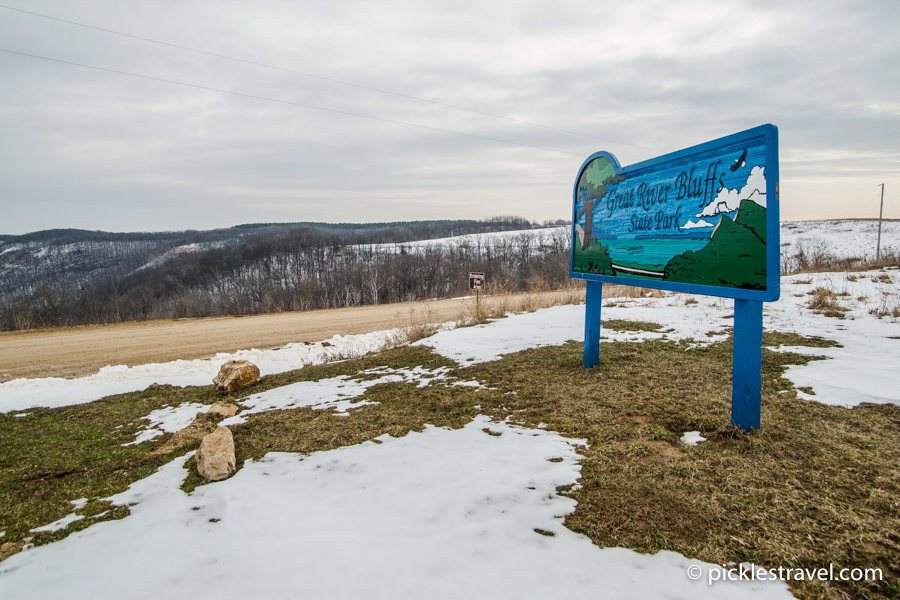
x,y
685,186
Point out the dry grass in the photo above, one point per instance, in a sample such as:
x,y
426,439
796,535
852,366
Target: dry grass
x,y
414,325
629,291
824,301
817,257
497,306
888,303
775,339
401,408
56,455
53,456
494,307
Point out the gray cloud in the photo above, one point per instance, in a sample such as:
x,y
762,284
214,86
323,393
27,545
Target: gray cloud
x,y
83,148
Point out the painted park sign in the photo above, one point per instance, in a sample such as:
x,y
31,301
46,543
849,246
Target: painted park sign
x,y
702,220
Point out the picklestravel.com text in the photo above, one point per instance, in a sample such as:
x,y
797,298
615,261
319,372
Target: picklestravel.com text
x,y
686,186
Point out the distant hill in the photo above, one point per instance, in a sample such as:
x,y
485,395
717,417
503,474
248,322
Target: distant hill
x,y
90,258
68,276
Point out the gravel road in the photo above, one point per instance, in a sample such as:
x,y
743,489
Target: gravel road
x,y
75,351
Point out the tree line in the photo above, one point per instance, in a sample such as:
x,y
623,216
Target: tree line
x,y
301,268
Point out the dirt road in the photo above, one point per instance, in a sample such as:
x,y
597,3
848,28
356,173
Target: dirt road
x,y
74,351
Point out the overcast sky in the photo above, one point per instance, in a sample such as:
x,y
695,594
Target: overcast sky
x,y
97,150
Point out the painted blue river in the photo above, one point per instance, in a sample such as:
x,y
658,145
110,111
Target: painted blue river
x,y
652,252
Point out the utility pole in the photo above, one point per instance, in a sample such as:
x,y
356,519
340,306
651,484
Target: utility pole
x,y
880,211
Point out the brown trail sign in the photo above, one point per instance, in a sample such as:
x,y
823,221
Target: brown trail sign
x,y
476,282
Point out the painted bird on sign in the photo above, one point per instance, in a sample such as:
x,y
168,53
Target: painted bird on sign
x,y
739,162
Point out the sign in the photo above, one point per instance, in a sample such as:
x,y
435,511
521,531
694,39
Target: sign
x,y
703,220
476,281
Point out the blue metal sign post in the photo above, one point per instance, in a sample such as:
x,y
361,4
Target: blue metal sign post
x,y
746,370
593,301
703,220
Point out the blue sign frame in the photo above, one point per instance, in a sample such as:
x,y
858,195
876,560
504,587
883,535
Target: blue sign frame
x,y
763,141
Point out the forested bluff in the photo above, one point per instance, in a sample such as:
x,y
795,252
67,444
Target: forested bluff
x,y
76,277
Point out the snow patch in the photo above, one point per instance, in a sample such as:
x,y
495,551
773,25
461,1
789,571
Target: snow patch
x,y
692,438
338,393
864,369
168,420
843,239
58,524
557,325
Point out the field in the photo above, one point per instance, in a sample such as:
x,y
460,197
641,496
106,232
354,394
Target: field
x,y
479,459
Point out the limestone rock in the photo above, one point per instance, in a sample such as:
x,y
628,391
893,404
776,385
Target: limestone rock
x,y
222,409
215,457
235,375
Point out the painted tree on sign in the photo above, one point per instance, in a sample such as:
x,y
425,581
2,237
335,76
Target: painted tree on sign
x,y
592,186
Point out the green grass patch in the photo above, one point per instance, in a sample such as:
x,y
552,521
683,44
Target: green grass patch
x,y
622,325
775,339
56,455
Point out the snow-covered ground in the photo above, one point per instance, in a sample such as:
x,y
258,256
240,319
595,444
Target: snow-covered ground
x,y
168,419
555,326
864,369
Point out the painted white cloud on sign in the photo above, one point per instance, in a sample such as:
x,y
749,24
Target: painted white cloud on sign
x,y
698,224
728,200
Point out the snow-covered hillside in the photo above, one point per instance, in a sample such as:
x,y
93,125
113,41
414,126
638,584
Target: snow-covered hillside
x,y
839,239
842,239
81,258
